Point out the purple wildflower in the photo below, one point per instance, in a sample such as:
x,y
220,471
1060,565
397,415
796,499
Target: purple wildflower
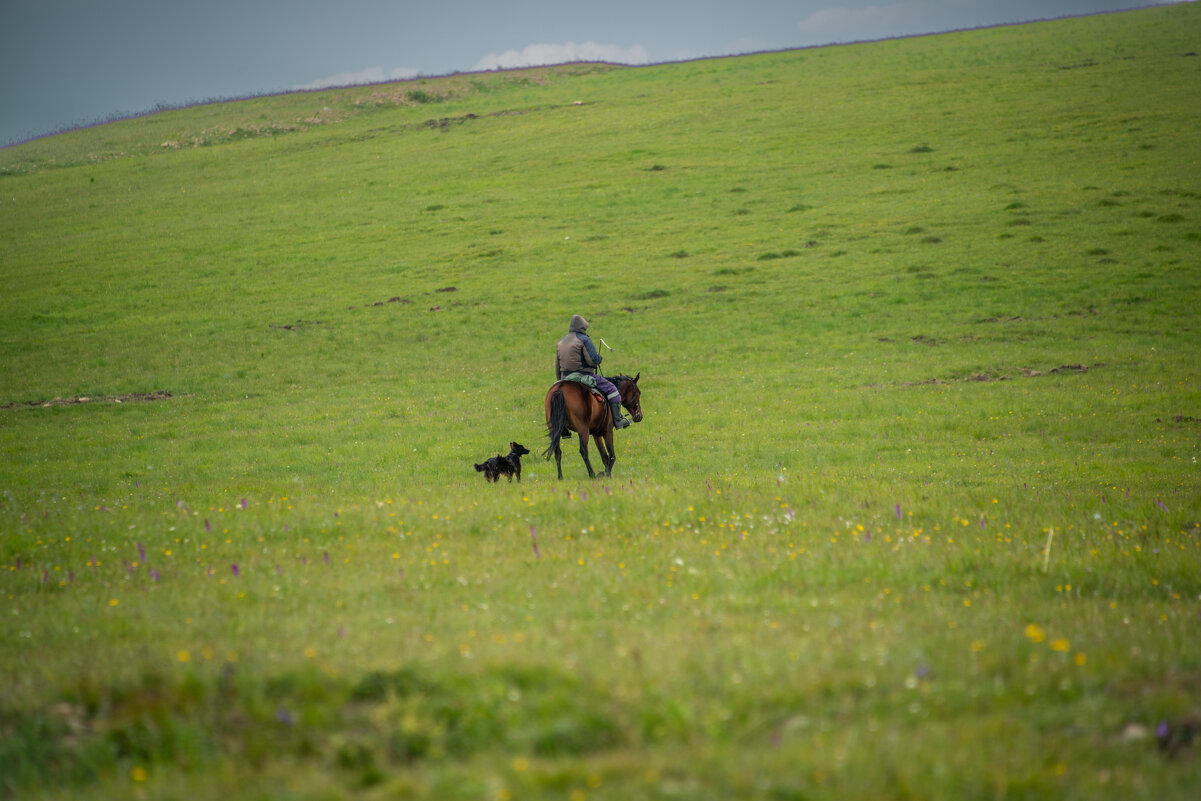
x,y
534,540
244,504
207,527
326,554
1161,504
899,517
234,568
154,575
141,552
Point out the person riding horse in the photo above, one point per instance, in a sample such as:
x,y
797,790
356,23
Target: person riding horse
x,y
575,353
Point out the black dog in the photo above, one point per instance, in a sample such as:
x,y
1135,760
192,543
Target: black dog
x,y
499,465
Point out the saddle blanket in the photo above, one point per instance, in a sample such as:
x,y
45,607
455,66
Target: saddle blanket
x,y
581,378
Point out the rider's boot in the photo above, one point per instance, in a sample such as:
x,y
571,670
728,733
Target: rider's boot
x,y
618,420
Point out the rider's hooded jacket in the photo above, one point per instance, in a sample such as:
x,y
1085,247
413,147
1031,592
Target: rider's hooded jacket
x,y
575,352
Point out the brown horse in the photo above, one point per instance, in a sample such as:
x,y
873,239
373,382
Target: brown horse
x,y
571,406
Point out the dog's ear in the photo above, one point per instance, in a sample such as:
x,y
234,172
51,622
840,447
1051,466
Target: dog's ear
x,y
513,445
636,377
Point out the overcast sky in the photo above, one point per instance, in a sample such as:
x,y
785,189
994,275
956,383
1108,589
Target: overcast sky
x,y
65,63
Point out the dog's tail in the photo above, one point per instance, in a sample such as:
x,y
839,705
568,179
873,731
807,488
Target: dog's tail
x,y
557,423
479,468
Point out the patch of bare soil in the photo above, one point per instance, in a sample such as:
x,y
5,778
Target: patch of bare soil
x,y
295,325
1025,373
132,397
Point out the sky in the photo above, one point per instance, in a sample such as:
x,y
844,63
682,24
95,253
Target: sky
x,y
67,63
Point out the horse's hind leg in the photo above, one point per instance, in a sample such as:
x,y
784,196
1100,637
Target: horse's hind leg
x,y
581,429
584,455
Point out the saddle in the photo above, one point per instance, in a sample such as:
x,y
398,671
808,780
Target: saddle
x,y
585,379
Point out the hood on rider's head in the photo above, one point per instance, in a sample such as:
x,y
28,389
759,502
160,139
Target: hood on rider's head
x,y
578,324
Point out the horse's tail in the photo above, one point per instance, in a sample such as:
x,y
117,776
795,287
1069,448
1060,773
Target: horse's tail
x,y
557,423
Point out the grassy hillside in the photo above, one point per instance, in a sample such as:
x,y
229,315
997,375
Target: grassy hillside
x,y
914,510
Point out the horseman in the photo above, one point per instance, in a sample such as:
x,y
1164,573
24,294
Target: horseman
x,y
575,353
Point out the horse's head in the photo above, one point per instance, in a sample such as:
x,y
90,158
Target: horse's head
x,y
631,396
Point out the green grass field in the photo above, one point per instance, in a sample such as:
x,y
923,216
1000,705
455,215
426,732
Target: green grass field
x,y
915,510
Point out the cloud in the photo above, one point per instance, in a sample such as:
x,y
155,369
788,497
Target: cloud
x,y
881,21
369,75
542,54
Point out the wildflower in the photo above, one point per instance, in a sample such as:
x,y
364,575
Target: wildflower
x,y
1061,645
137,773
1035,633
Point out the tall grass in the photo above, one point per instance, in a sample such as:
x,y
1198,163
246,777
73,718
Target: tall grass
x,y
914,509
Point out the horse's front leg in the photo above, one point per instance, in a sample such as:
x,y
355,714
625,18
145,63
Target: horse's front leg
x,y
612,450
604,444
